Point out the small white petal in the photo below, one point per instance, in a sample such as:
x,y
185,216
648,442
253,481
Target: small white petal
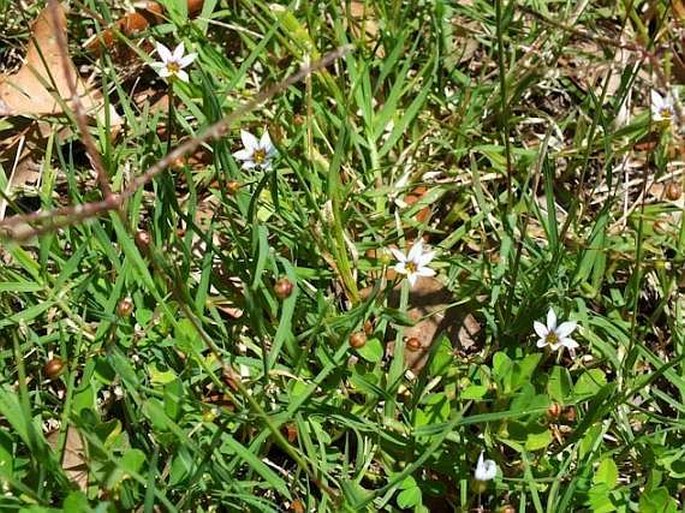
x,y
265,142
551,320
566,328
400,268
569,343
187,60
249,164
416,251
540,329
398,255
243,154
412,277
425,271
182,75
485,469
163,52
163,72
249,141
657,100
541,343
426,258
179,51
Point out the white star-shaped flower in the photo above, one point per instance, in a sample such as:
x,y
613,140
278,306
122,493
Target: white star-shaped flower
x,y
555,336
414,263
485,469
663,107
256,153
172,63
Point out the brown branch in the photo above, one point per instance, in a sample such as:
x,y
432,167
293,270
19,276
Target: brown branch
x,y
42,222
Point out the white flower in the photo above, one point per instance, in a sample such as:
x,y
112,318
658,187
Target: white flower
x,y
663,107
485,469
172,64
555,336
256,153
414,263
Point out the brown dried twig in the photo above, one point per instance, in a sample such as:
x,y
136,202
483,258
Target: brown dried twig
x,y
42,222
56,11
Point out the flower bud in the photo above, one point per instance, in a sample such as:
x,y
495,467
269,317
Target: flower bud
x,y
53,368
358,339
283,288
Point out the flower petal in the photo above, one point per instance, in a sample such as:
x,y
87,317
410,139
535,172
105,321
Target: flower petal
x,y
412,277
551,319
426,258
248,164
657,100
265,142
243,154
566,328
398,255
163,72
540,329
541,343
163,52
425,271
416,250
249,141
179,51
569,343
187,60
182,75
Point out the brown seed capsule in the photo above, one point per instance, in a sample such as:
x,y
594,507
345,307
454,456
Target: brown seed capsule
x,y
507,508
358,339
673,191
233,186
297,506
569,414
125,307
283,288
368,327
53,368
143,240
554,410
412,344
298,119
290,432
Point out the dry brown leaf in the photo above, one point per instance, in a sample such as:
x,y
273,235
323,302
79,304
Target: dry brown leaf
x,y
146,13
74,457
33,89
429,307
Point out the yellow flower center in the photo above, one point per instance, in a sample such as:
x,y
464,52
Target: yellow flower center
x,y
173,67
411,267
665,113
259,156
551,338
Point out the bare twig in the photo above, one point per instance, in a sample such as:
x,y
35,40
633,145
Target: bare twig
x,y
42,222
56,12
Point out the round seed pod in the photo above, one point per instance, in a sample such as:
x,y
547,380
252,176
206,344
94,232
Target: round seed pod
x,y
53,368
297,506
283,288
143,240
507,508
125,307
358,339
233,186
554,410
368,327
413,344
674,191
569,414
